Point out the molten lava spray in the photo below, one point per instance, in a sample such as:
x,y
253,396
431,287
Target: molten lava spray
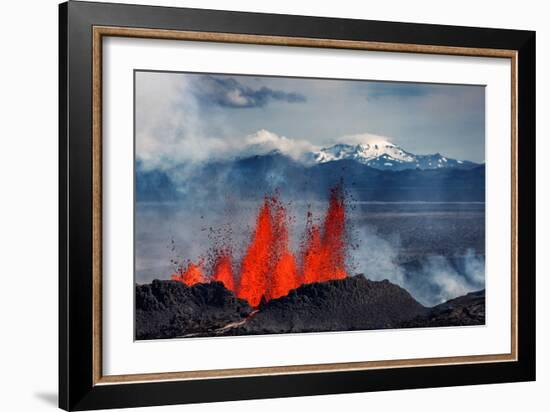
x,y
268,269
223,270
312,260
284,276
190,276
325,252
256,264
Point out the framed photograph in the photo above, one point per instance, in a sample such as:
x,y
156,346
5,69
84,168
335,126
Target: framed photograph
x,y
257,205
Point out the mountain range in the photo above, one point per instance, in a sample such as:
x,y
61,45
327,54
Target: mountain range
x,y
373,172
384,155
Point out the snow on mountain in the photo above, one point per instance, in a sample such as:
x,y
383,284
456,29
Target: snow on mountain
x,y
372,150
385,155
362,152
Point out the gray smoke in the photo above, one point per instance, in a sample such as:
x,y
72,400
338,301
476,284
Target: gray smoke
x,y
430,279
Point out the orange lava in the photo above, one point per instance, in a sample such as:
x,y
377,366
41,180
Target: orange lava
x,y
284,276
255,267
191,276
223,271
269,269
325,251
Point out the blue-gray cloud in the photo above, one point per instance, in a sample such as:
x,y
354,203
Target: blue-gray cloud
x,y
398,90
228,92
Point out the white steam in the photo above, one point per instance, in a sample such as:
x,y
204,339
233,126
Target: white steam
x,y
435,281
173,127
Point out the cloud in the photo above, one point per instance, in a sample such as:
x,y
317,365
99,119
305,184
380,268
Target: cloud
x,y
364,138
228,92
171,127
264,141
399,90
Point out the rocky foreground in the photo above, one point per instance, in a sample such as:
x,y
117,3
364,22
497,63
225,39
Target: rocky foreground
x,y
467,310
169,309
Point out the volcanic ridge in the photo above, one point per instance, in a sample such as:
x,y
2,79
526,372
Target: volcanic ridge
x,y
172,309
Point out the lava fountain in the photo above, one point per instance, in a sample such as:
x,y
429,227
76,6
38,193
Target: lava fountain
x,y
190,276
269,269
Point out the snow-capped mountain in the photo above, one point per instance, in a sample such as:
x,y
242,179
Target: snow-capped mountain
x,y
384,155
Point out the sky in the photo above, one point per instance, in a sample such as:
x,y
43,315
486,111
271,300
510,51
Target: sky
x,y
187,117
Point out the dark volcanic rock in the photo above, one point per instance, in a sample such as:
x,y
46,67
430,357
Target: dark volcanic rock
x,y
467,310
354,303
166,309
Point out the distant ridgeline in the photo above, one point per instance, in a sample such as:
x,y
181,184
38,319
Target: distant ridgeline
x,y
369,173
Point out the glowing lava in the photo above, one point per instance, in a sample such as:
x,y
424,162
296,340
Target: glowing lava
x,y
190,276
325,250
223,271
256,264
269,269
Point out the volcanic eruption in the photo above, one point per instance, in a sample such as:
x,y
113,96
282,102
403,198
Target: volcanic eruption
x,y
268,268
